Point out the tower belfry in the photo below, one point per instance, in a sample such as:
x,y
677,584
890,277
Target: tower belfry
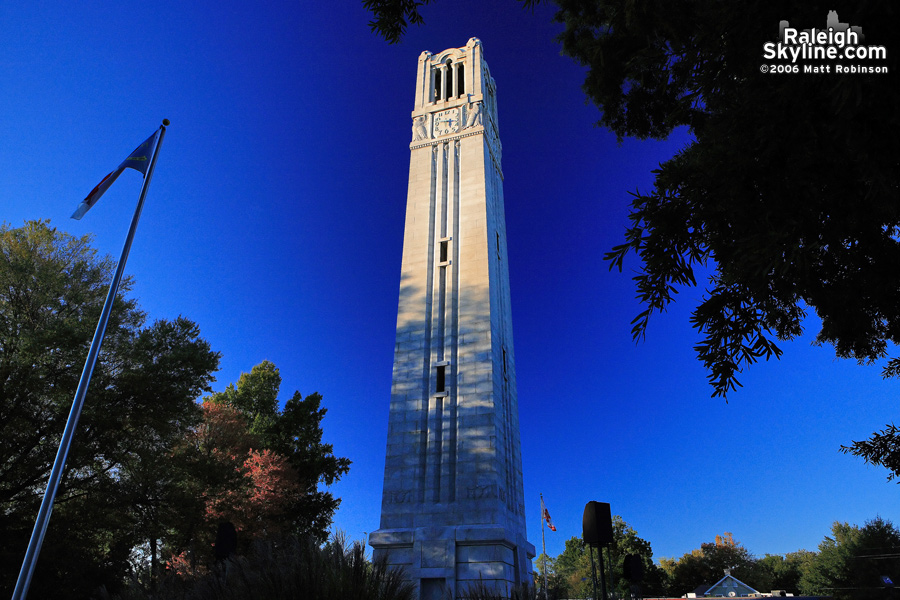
x,y
453,511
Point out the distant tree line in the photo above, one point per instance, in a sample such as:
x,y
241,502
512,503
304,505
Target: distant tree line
x,y
153,472
849,565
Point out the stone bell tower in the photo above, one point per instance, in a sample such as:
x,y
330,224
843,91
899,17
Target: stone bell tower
x,y
453,509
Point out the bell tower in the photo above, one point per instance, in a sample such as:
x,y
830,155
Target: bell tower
x,y
452,510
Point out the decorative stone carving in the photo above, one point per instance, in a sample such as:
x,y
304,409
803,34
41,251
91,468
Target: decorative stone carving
x,y
399,496
493,141
473,115
477,492
420,128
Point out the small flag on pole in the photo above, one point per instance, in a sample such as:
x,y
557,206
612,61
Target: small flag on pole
x,y
139,160
545,514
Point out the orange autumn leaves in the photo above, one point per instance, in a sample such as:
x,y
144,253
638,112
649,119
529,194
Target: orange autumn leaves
x,y
250,487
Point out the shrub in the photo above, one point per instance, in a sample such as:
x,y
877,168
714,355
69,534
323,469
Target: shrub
x,y
287,569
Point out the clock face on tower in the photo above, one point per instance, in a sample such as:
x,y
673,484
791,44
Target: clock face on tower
x,y
446,122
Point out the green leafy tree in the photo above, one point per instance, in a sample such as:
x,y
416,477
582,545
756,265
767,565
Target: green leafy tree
x,y
626,541
787,192
255,396
170,366
140,402
685,573
881,449
226,476
851,562
296,433
707,565
784,572
392,17
573,565
556,584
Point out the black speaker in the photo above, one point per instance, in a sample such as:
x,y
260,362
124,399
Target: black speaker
x,y
596,525
633,568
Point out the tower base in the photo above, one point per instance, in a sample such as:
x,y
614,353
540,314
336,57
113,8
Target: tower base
x,y
444,562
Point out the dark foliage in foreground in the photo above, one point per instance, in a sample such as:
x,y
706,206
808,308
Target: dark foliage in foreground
x,y
140,403
287,569
882,449
483,591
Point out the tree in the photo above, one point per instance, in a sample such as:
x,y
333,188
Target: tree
x,y
707,565
881,449
170,367
295,432
556,584
787,193
627,542
226,476
141,400
392,17
850,564
246,463
784,572
573,565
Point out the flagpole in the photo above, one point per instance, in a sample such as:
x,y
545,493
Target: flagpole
x,y
544,546
43,518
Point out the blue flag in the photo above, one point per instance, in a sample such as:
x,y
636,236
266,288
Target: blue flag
x,y
139,160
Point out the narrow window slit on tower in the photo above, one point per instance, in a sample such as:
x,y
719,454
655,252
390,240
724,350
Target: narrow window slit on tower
x,y
460,80
440,385
443,251
437,85
448,93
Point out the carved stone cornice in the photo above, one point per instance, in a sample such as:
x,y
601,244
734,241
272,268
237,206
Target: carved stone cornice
x,y
476,119
446,138
492,144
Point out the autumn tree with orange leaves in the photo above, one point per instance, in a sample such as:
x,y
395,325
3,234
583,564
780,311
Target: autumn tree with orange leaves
x,y
251,487
294,432
256,466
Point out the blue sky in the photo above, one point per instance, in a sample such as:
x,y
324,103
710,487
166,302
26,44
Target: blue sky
x,y
275,221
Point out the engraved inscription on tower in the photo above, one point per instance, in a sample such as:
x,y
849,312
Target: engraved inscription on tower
x,y
452,511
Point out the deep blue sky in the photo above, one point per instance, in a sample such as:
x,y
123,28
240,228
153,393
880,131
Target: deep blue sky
x,y
275,221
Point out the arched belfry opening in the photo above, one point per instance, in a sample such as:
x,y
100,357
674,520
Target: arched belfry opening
x,y
448,79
